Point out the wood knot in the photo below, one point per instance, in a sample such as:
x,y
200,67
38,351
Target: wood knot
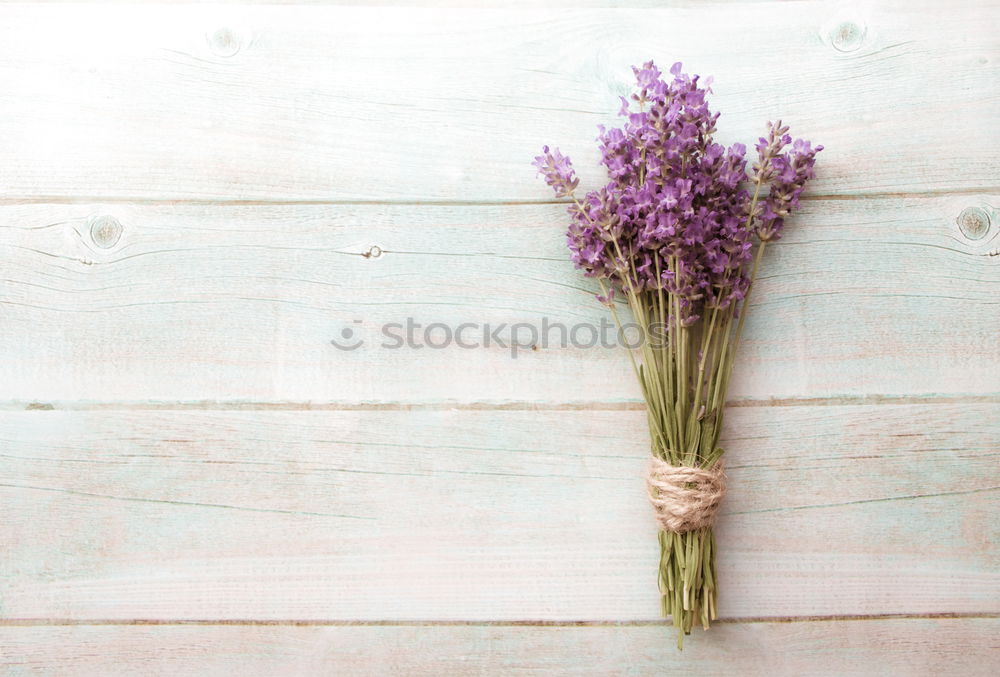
x,y
373,252
225,42
847,36
685,498
105,231
974,222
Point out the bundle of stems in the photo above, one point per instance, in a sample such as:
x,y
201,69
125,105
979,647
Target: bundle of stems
x,y
684,373
678,235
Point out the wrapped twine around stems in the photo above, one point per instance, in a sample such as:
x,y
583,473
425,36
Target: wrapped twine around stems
x,y
685,498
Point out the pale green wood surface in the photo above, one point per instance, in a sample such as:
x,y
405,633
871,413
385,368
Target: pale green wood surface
x,y
484,514
913,646
195,199
868,296
347,103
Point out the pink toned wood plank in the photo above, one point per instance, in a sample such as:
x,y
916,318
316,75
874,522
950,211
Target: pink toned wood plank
x,y
966,646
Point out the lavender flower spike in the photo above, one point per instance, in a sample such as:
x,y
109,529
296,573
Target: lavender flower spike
x,y
558,171
790,172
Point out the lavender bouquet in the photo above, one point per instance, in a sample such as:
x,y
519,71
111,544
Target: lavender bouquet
x,y
678,234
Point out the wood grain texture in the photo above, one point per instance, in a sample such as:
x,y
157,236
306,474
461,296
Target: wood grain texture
x,y
898,647
881,296
347,103
196,199
374,515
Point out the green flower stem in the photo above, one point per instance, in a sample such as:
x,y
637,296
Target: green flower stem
x,y
729,358
685,391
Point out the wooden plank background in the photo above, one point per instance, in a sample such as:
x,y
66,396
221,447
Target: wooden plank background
x,y
196,199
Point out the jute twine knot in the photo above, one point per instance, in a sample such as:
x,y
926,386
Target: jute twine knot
x,y
685,498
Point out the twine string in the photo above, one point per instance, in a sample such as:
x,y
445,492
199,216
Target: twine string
x,y
685,498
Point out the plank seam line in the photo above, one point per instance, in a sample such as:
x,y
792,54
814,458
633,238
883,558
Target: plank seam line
x,y
241,202
632,405
35,622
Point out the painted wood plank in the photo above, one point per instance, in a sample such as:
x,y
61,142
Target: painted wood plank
x,y
899,647
451,4
371,103
480,515
882,296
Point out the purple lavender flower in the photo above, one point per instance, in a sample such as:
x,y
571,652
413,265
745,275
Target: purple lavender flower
x,y
788,173
558,171
676,215
673,230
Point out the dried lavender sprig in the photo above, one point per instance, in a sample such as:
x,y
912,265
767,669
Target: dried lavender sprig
x,y
558,171
673,230
789,173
